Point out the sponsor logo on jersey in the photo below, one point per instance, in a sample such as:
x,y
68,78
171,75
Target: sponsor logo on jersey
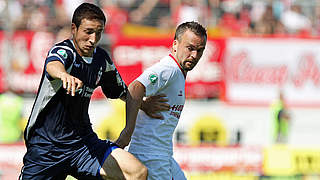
x,y
175,114
85,91
176,110
76,65
177,107
62,53
153,78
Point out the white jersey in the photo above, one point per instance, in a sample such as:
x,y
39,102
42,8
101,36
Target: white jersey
x,y
154,136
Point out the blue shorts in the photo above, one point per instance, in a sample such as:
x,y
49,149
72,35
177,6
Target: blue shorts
x,y
83,162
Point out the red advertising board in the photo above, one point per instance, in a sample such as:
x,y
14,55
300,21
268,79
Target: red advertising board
x,y
214,159
22,56
202,82
240,70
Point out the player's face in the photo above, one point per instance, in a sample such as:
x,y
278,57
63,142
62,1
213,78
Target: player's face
x,y
189,49
87,36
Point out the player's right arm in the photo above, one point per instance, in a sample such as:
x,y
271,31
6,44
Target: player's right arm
x,y
59,59
57,71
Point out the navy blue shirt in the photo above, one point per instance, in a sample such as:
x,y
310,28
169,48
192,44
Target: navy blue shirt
x,y
60,119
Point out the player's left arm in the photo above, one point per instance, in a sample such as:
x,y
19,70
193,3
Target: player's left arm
x,y
134,98
152,105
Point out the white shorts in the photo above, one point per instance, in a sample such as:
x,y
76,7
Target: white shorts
x,y
161,167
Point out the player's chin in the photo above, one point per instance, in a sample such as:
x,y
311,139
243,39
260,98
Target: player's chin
x,y
87,53
188,68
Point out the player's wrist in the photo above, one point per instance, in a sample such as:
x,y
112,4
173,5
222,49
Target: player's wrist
x,y
142,106
128,131
60,75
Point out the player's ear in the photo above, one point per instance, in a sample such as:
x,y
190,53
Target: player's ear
x,y
73,28
175,45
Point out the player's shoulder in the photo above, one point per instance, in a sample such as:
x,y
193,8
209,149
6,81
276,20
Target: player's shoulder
x,y
164,69
169,65
164,64
66,44
64,50
103,54
160,68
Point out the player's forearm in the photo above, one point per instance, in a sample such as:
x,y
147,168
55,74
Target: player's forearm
x,y
142,106
132,107
134,100
55,69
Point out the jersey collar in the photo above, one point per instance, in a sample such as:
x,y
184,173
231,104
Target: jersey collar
x,y
184,74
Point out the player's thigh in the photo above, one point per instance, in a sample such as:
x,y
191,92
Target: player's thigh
x,y
177,172
159,167
121,164
44,164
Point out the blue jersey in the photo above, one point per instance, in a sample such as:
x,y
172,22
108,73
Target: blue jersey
x,y
58,118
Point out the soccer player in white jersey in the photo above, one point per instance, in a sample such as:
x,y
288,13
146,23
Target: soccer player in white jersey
x,y
151,141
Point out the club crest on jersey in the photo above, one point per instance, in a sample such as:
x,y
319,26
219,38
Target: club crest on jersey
x,y
153,78
62,53
99,76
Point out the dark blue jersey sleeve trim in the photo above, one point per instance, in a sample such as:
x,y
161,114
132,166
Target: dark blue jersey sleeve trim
x,y
64,55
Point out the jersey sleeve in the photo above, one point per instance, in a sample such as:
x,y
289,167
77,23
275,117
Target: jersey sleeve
x,y
112,84
59,53
154,79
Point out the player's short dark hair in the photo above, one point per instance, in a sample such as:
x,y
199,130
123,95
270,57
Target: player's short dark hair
x,y
193,26
87,11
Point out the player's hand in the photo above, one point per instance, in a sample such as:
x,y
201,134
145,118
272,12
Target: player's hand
x,y
70,83
154,104
124,138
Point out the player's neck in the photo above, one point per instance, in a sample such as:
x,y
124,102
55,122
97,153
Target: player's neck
x,y
75,45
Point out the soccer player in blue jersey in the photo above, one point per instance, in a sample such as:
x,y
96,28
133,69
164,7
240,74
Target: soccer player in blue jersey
x,y
59,136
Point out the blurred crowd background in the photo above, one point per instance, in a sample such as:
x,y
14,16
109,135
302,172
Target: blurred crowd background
x,y
221,17
45,22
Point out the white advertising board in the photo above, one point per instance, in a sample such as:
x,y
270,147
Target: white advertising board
x,y
256,69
